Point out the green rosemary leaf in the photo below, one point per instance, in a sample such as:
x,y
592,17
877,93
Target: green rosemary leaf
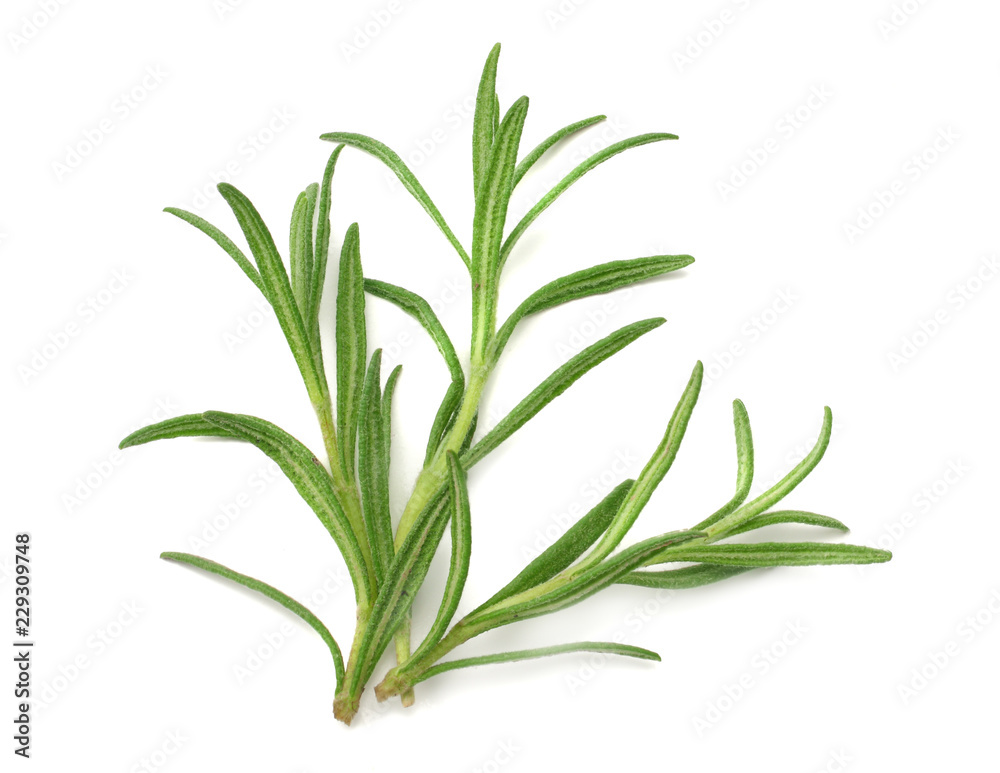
x,y
485,117
321,251
565,550
421,311
278,289
609,648
410,182
373,469
567,591
300,248
532,158
467,443
314,485
488,224
444,418
782,488
223,241
654,471
744,465
556,384
191,425
352,347
461,551
560,187
681,579
272,593
496,113
787,516
390,388
779,554
603,278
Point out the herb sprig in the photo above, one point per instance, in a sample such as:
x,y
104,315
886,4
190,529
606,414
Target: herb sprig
x,y
349,493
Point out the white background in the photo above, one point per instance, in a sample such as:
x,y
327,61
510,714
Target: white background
x,y
911,466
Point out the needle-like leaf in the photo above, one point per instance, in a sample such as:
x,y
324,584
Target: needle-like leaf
x,y
565,550
782,488
488,224
321,251
654,471
681,579
744,465
352,347
787,516
300,248
556,384
223,241
779,554
542,148
190,425
313,483
387,393
595,160
484,119
603,278
418,308
272,593
373,469
461,551
444,418
392,160
278,289
608,648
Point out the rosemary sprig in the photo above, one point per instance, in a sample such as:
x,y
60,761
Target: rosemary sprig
x,y
349,493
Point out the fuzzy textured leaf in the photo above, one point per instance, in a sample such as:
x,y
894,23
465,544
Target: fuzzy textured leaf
x,y
272,593
392,160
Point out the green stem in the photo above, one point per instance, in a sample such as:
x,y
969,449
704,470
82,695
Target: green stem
x,y
345,703
347,492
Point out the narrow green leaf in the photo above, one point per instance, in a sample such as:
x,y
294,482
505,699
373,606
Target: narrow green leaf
x,y
608,648
488,224
272,593
556,384
223,241
560,187
410,182
278,289
373,469
321,252
654,471
779,554
191,425
744,465
782,488
421,311
444,418
565,550
300,248
485,117
496,114
542,148
313,483
461,551
575,588
787,516
681,579
387,393
603,278
352,347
